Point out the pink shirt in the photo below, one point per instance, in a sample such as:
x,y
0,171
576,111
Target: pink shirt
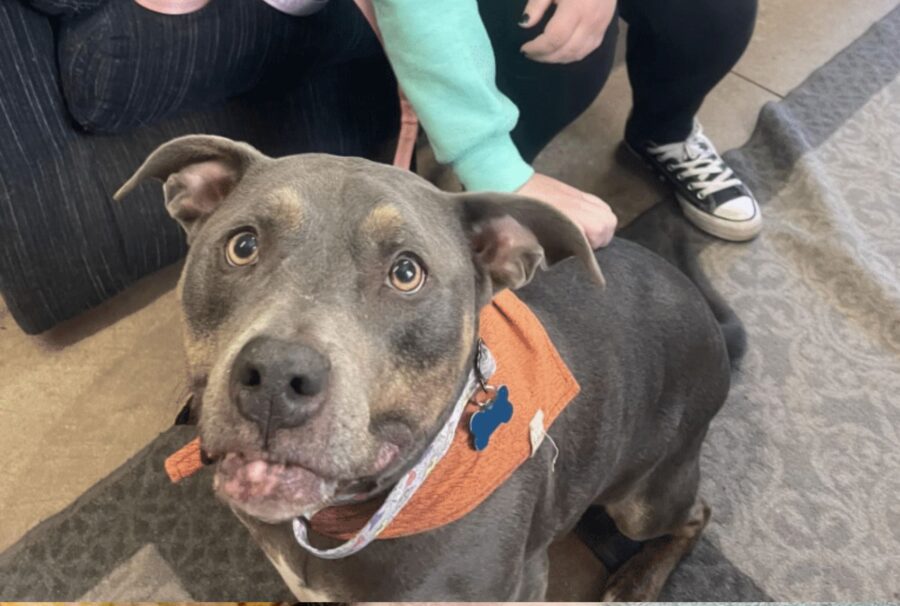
x,y
181,7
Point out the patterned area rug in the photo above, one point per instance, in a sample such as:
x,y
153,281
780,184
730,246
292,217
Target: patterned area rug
x,y
802,467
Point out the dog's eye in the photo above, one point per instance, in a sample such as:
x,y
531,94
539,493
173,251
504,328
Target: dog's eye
x,y
242,249
407,274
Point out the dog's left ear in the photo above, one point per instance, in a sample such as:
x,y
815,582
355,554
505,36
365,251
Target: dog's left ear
x,y
198,173
513,235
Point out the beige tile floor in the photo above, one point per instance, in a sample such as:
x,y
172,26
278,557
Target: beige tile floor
x,y
77,402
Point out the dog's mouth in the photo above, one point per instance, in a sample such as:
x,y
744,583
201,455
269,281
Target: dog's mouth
x,y
287,482
277,491
264,488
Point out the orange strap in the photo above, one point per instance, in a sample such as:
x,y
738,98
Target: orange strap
x,y
184,463
409,122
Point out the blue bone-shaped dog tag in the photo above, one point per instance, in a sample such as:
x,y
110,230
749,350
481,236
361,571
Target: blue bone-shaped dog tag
x,y
485,422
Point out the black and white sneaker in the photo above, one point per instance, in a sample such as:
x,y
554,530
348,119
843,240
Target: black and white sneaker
x,y
710,194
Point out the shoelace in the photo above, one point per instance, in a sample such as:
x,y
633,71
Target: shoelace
x,y
697,162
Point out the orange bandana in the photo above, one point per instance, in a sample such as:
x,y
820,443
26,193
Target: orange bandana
x,y
538,380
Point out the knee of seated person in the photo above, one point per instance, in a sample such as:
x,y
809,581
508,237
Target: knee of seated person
x,y
123,66
734,17
724,22
101,75
705,28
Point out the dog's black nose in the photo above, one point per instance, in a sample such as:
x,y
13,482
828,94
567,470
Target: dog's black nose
x,y
279,384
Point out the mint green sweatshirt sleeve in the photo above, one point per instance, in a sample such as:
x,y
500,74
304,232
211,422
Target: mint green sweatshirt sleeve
x,y
444,62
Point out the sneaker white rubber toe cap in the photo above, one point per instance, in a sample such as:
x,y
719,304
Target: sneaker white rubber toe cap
x,y
739,209
737,220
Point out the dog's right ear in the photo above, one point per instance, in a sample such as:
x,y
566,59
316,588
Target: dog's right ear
x,y
198,172
512,236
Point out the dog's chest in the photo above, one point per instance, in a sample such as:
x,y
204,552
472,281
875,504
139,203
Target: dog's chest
x,y
295,583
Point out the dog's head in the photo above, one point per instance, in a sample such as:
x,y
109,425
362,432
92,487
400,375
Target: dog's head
x,y
331,311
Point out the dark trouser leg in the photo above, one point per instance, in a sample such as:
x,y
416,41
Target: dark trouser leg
x,y
123,67
64,245
549,95
678,50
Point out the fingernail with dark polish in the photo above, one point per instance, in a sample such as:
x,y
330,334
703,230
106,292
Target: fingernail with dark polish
x,y
523,19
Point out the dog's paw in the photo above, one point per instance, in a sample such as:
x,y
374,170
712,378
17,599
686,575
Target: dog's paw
x,y
628,588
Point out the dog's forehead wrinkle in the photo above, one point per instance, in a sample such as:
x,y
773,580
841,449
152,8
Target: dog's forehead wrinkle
x,y
287,205
385,216
396,222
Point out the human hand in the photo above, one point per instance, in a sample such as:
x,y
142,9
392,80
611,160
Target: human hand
x,y
576,29
590,213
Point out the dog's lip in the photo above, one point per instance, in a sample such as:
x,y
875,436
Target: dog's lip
x,y
268,459
387,455
260,486
408,449
251,477
368,486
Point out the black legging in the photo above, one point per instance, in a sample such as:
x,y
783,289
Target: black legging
x,y
678,50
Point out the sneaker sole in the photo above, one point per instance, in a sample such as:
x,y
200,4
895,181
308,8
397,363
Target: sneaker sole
x,y
733,231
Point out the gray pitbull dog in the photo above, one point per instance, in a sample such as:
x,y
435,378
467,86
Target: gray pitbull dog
x,y
331,318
